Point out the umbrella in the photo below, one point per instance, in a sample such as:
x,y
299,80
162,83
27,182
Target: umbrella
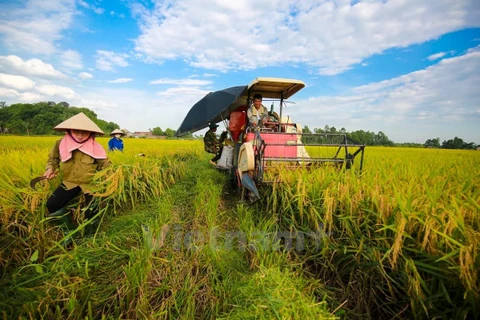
x,y
212,108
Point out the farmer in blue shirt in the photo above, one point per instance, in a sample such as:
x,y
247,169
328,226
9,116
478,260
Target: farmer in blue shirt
x,y
116,143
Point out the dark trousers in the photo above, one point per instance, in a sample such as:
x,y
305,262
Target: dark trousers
x,y
217,155
61,196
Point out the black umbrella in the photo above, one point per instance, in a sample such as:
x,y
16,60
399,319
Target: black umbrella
x,y
212,108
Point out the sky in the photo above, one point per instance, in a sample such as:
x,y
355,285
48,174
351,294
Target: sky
x,y
408,68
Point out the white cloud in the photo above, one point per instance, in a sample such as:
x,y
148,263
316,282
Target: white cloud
x,y
52,90
442,99
83,4
436,56
71,59
98,10
31,97
33,67
35,26
181,82
85,75
442,54
121,80
329,36
474,49
97,102
179,92
14,96
18,85
107,60
139,110
8,93
16,82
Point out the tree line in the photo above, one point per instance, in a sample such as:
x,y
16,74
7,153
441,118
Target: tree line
x,y
367,138
170,133
40,118
455,143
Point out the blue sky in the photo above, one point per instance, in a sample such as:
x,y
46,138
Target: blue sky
x,y
408,68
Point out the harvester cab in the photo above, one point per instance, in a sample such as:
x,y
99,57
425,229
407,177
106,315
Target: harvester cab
x,y
278,143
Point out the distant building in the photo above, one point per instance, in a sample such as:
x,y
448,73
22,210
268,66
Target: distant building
x,y
128,134
140,134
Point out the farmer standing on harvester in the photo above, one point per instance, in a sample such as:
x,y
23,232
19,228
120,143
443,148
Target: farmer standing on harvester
x,y
78,156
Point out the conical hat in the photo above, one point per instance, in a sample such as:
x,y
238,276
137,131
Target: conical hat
x,y
117,131
79,122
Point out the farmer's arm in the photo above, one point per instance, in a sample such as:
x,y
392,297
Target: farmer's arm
x,y
253,120
53,162
103,164
223,136
265,114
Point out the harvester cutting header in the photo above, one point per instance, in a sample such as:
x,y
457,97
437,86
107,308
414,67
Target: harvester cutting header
x,y
275,141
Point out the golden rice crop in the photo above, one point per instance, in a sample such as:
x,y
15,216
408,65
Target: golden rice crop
x,y
411,212
400,239
132,179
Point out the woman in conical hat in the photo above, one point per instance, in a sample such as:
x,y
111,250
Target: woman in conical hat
x,y
78,156
116,143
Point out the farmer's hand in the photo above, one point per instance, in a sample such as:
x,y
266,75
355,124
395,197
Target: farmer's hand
x,y
49,174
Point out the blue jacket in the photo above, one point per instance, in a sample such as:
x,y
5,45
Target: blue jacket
x,y
115,144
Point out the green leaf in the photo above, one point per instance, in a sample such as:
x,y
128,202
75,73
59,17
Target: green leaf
x,y
39,269
34,256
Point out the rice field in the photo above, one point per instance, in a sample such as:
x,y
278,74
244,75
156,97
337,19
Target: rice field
x,y
398,241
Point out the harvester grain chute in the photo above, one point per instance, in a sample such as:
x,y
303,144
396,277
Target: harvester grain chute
x,y
279,142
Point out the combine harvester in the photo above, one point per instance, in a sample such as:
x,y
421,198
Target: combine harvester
x,y
280,143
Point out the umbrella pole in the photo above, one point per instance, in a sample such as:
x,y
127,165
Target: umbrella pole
x,y
281,112
226,126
